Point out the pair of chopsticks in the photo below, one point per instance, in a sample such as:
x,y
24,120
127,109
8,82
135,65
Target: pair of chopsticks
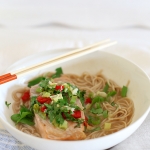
x,y
57,60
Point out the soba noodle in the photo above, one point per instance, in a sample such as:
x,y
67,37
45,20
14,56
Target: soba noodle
x,y
119,116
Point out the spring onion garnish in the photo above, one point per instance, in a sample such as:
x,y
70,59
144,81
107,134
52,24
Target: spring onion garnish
x,y
124,91
35,81
106,88
111,93
107,126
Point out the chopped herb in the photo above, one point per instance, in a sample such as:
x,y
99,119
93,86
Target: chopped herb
x,y
44,83
7,104
58,73
51,116
97,105
59,119
33,101
124,91
93,120
105,113
80,95
96,111
25,116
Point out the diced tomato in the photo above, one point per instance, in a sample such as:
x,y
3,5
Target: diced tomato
x,y
59,87
77,114
25,96
43,100
88,101
43,108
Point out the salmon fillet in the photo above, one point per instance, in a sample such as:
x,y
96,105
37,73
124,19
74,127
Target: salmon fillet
x,y
49,131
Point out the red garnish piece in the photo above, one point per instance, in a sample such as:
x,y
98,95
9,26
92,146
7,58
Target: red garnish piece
x,y
59,87
43,100
88,101
86,121
43,108
63,115
25,96
77,114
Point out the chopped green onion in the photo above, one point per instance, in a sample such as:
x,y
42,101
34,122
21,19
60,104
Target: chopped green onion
x,y
106,88
111,93
45,94
36,108
73,99
39,90
107,126
35,81
64,125
124,91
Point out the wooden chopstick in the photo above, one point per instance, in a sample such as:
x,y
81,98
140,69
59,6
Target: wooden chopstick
x,y
71,55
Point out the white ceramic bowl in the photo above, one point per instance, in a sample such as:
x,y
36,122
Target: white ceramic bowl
x,y
114,67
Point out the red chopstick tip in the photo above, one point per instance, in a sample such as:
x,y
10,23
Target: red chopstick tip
x,y
8,78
